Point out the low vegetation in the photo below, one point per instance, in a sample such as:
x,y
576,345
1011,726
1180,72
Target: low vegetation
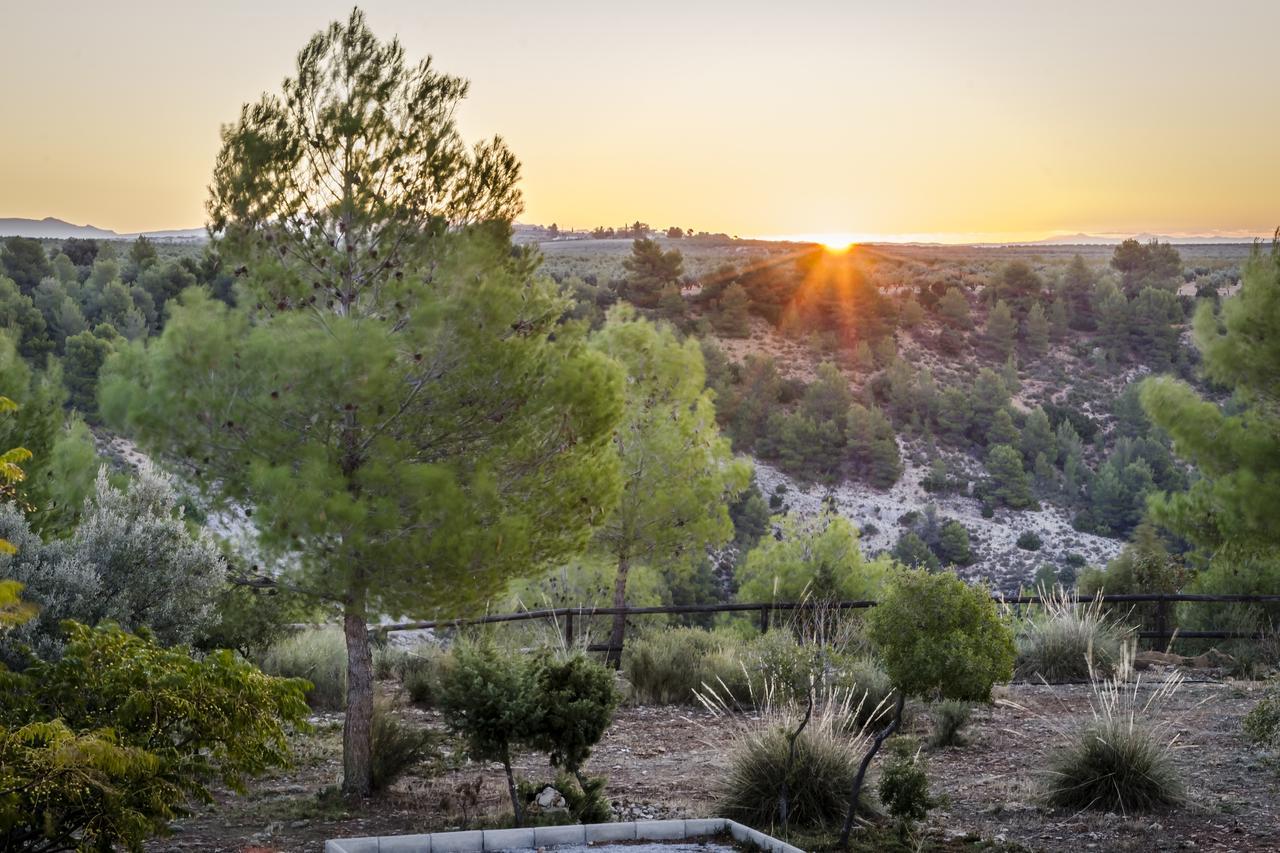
x,y
1066,641
1121,760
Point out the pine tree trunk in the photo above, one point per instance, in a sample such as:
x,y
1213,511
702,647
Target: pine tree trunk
x,y
357,730
511,789
616,637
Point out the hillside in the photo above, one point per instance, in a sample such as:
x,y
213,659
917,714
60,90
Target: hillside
x,y
1038,348
50,228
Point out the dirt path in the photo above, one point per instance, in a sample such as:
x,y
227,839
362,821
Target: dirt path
x,y
664,762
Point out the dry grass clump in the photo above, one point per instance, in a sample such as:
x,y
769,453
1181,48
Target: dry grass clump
x,y
1121,760
668,667
791,765
320,656
1068,641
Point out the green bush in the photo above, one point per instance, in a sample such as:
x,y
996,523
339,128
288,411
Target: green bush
x,y
904,782
1069,641
1029,540
1262,724
577,697
666,667
780,668
940,637
488,698
583,797
107,745
949,719
397,746
419,671
320,656
869,691
817,784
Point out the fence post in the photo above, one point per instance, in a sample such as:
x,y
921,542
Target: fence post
x,y
1162,620
568,631
764,619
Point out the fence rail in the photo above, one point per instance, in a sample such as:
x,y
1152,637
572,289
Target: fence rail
x,y
570,615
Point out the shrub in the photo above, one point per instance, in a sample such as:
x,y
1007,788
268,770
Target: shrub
x,y
939,636
780,669
489,699
419,672
1262,724
320,656
132,560
666,667
1121,760
949,718
817,782
1029,540
584,797
397,746
1068,641
869,690
111,742
904,782
577,697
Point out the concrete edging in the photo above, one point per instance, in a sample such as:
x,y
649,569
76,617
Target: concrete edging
x,y
487,840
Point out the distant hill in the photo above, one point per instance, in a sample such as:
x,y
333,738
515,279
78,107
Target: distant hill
x,y
1111,240
50,228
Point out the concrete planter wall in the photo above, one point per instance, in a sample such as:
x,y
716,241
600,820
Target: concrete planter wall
x,y
482,841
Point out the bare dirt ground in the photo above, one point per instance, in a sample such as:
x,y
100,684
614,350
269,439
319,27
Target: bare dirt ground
x,y
665,762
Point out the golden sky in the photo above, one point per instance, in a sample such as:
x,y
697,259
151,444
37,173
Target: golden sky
x,y
953,120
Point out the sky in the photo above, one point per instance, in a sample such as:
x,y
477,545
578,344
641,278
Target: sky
x,y
937,120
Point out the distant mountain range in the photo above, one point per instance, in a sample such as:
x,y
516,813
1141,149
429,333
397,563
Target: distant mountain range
x,y
1113,240
56,229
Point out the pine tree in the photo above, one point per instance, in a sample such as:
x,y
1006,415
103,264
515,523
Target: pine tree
x,y
1036,330
873,447
1001,329
955,414
1113,323
1059,324
1077,293
1231,508
396,400
988,396
649,270
953,544
734,318
1002,429
1037,437
954,308
679,475
1008,480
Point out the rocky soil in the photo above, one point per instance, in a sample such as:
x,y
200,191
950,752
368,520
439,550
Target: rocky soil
x,y
666,762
